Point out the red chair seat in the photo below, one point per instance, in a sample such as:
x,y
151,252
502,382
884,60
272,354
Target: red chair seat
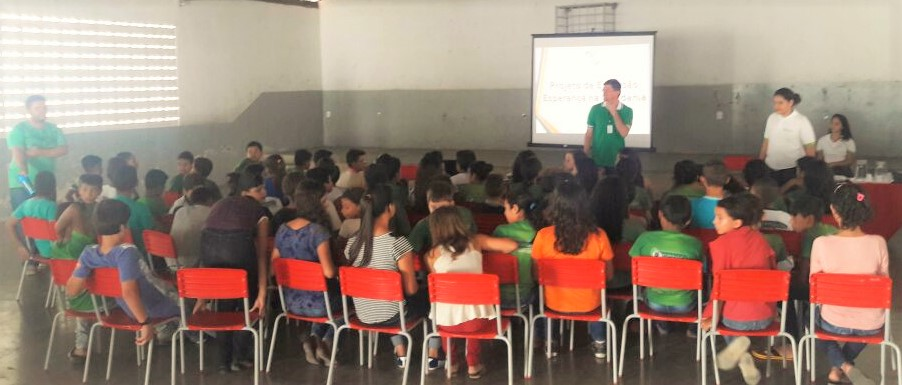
x,y
875,339
319,320
646,313
80,314
356,324
772,330
220,321
509,313
121,321
487,332
592,316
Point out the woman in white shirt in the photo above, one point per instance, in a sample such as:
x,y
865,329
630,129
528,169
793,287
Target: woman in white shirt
x,y
838,148
788,136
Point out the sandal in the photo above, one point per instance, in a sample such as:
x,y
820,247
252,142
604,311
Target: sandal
x,y
478,374
774,355
76,358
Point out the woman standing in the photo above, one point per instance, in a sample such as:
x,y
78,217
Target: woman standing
x,y
788,136
838,148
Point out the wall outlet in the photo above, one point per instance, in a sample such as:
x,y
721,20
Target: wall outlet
x,y
718,115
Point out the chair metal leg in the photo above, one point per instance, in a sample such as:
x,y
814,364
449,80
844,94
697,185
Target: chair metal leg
x,y
770,347
21,281
613,346
49,300
704,360
641,339
88,358
510,360
409,339
109,357
376,344
424,357
698,341
572,324
369,350
531,351
181,336
526,344
149,359
334,351
201,358
172,355
52,334
272,343
256,336
651,340
360,338
548,323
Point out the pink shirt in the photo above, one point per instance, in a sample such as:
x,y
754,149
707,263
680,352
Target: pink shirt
x,y
851,255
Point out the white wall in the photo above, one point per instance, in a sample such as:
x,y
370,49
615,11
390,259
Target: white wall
x,y
470,44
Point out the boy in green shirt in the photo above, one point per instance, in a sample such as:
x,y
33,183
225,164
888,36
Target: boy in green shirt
x,y
155,184
125,180
670,242
524,215
439,194
41,206
185,162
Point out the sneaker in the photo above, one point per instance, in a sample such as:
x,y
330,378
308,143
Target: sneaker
x,y
692,332
540,345
400,362
662,327
31,270
750,373
600,349
76,358
192,336
729,356
435,363
164,333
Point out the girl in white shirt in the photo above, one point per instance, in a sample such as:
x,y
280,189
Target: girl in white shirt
x,y
788,136
838,148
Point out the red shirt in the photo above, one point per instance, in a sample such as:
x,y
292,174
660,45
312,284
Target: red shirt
x,y
742,248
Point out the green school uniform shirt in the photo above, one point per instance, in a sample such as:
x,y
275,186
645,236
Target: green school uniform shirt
x,y
687,190
156,206
523,233
139,220
472,192
819,229
71,250
26,136
420,237
177,183
40,208
776,243
632,229
642,201
606,144
668,244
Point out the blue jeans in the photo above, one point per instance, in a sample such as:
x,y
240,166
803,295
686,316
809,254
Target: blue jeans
x,y
848,352
597,330
323,331
670,309
745,326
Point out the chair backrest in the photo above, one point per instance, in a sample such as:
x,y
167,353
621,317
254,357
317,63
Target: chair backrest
x,y
852,290
38,229
571,273
464,289
622,256
828,219
170,197
409,171
360,282
105,282
159,244
751,285
299,275
486,223
667,273
212,283
791,239
61,270
736,162
505,266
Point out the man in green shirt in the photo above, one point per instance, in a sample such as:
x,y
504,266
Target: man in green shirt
x,y
34,145
609,123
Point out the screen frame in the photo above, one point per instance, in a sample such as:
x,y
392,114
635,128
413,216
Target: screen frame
x,y
532,91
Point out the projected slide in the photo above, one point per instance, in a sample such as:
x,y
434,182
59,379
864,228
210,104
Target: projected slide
x,y
569,73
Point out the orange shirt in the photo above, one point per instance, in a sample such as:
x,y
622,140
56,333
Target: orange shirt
x,y
566,300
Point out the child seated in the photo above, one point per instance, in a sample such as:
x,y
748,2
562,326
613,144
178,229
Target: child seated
x,y
253,153
526,175
92,165
112,165
353,175
350,210
144,296
524,216
400,224
670,242
775,216
203,167
187,225
806,219
126,180
714,177
630,169
184,163
191,182
323,177
740,246
41,206
302,160
474,190
439,194
464,160
155,184
274,172
849,251
494,192
685,180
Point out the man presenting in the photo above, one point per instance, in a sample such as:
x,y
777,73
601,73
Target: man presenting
x,y
34,145
609,123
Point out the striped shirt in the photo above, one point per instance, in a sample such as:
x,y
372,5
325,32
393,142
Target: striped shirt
x,y
387,250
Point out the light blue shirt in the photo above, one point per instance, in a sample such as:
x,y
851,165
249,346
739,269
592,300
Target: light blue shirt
x,y
703,212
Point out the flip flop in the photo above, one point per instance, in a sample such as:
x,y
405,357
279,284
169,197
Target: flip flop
x,y
750,373
774,356
729,356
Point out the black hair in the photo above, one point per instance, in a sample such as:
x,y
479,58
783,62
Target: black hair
x,y
569,213
846,132
34,99
126,155
614,83
255,168
232,182
744,207
586,171
354,194
112,165
494,186
254,143
375,174
610,205
789,95
685,172
308,203
440,190
186,155
45,185
91,180
291,181
432,158
193,181
248,180
302,157
465,159
155,179
715,173
516,173
110,215
630,169
392,165
481,170
320,175
533,208
817,178
852,205
807,205
334,171
372,206
754,170
768,190
354,155
201,196
125,178
203,166
530,169
320,155
90,161
677,210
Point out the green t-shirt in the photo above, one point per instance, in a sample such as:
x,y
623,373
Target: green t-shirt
x,y
642,201
420,237
71,250
243,164
687,190
776,242
177,183
40,208
534,190
524,234
472,192
156,206
139,220
819,229
632,229
606,141
25,136
671,245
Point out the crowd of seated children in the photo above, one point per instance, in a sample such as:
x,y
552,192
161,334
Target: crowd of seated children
x,y
184,162
474,190
609,203
814,179
439,194
93,165
464,159
353,175
253,154
274,173
714,177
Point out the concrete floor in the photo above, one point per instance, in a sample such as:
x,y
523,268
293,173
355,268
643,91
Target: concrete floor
x,y
24,338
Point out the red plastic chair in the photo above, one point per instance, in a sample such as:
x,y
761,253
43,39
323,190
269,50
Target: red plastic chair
x,y
858,291
749,286
170,197
381,285
791,239
663,273
161,245
104,283
409,172
486,223
828,219
299,275
215,284
37,230
507,268
736,162
60,271
468,289
573,274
